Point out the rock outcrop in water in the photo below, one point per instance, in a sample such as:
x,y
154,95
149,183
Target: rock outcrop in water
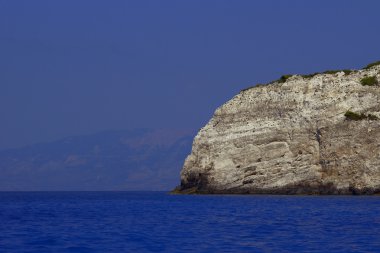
x,y
311,134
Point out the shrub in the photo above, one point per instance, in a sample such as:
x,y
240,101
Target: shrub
x,y
284,78
310,75
331,72
354,116
372,64
347,71
372,117
369,80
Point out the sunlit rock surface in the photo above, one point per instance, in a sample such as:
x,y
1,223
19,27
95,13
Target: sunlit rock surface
x,y
291,137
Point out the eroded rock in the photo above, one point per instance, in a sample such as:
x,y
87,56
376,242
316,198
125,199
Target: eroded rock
x,y
291,137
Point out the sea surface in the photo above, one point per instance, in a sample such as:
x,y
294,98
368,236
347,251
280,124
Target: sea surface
x,y
159,222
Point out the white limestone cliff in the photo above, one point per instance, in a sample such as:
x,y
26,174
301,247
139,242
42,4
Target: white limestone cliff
x,y
292,137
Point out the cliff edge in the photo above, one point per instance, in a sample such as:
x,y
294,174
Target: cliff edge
x,y
302,134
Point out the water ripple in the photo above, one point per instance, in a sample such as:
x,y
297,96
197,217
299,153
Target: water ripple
x,y
158,222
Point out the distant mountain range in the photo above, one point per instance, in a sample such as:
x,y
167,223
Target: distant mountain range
x,y
113,160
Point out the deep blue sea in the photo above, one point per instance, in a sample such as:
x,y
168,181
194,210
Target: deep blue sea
x,y
159,222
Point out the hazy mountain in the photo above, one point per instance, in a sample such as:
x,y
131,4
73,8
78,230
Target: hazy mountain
x,y
113,160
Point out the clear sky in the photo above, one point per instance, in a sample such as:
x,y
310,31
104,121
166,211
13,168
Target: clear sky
x,y
75,67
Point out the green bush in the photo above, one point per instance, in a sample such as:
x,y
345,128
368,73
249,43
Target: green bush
x,y
369,80
284,78
372,64
310,75
355,116
347,71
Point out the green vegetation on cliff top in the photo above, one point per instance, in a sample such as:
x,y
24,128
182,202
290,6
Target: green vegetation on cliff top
x,y
365,81
372,65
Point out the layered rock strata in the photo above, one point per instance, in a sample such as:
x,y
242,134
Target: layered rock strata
x,y
293,136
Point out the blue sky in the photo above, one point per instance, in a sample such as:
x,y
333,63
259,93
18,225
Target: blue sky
x,y
78,67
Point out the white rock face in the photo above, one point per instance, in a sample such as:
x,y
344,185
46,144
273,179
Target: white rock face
x,y
291,138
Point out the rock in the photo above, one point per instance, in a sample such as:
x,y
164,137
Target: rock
x,y
292,137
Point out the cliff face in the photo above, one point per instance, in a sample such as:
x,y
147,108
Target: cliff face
x,y
315,134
